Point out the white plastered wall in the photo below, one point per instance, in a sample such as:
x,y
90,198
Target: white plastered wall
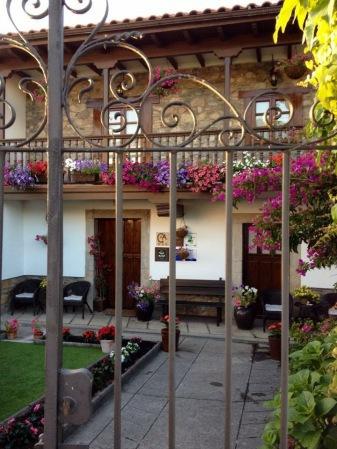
x,y
318,278
13,240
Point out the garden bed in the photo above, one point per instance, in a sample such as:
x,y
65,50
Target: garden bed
x,y
22,429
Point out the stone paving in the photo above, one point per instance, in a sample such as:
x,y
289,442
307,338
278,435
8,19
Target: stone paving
x,y
199,400
189,326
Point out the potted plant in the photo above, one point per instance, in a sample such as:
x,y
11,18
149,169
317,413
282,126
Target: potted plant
x,y
89,336
66,333
182,232
165,333
167,87
306,296
183,253
11,328
19,177
275,340
245,306
83,171
101,271
145,298
295,67
37,330
106,337
39,169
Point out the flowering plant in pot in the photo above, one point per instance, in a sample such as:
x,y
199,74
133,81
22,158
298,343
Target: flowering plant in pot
x,y
145,298
244,306
306,295
295,67
165,333
167,87
89,336
11,328
66,333
37,330
18,177
106,337
39,169
84,171
275,340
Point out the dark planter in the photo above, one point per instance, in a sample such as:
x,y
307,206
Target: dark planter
x,y
165,339
275,347
244,317
42,179
144,315
82,178
99,304
295,72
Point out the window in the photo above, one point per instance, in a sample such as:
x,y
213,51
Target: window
x,y
275,109
116,119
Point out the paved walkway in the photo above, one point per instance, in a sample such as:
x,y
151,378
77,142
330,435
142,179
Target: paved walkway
x,y
199,403
189,326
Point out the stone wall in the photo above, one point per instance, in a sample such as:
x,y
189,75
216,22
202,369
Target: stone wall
x,y
205,104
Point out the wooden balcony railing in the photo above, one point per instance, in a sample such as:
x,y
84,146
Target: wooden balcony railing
x,y
207,140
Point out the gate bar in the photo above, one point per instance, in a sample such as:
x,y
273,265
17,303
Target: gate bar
x,y
172,301
228,300
54,301
285,267
118,301
2,189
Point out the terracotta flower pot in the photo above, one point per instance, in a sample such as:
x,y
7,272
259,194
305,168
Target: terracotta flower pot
x,y
82,178
42,179
275,347
165,339
107,346
11,335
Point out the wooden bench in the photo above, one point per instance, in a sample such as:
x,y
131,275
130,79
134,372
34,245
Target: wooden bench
x,y
195,287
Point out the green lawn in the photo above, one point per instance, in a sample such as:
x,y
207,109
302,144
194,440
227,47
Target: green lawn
x,y
22,372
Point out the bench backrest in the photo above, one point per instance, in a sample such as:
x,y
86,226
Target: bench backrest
x,y
200,287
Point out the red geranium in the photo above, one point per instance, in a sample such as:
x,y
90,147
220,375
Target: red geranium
x,y
38,167
275,329
89,336
106,333
166,320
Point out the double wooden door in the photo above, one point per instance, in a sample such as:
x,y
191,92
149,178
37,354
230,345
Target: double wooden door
x,y
131,255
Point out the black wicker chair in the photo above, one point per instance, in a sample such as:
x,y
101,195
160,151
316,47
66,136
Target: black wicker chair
x,y
25,292
75,294
271,306
327,301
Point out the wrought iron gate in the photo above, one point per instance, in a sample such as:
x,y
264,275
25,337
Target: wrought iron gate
x,y
57,86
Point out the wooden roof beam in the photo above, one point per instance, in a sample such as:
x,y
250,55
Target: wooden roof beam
x,y
201,60
189,37
221,33
255,28
258,54
173,62
156,40
120,66
22,74
94,69
143,64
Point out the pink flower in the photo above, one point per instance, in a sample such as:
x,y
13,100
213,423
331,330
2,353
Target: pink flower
x,y
36,408
307,328
34,430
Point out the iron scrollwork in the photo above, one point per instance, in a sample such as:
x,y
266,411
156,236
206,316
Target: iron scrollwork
x,y
233,127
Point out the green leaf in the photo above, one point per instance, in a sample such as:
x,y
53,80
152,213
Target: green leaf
x,y
284,17
334,213
330,439
324,406
306,403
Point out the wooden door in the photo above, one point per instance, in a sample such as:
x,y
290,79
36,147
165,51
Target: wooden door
x,y
131,255
261,269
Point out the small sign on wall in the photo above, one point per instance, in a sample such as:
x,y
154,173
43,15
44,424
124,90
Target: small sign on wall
x,y
162,239
161,254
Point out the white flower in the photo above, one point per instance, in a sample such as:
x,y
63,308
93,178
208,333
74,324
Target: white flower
x,y
70,164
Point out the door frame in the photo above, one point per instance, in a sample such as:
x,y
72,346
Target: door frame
x,y
144,215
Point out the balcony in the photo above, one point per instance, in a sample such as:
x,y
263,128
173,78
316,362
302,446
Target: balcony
x,y
207,140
